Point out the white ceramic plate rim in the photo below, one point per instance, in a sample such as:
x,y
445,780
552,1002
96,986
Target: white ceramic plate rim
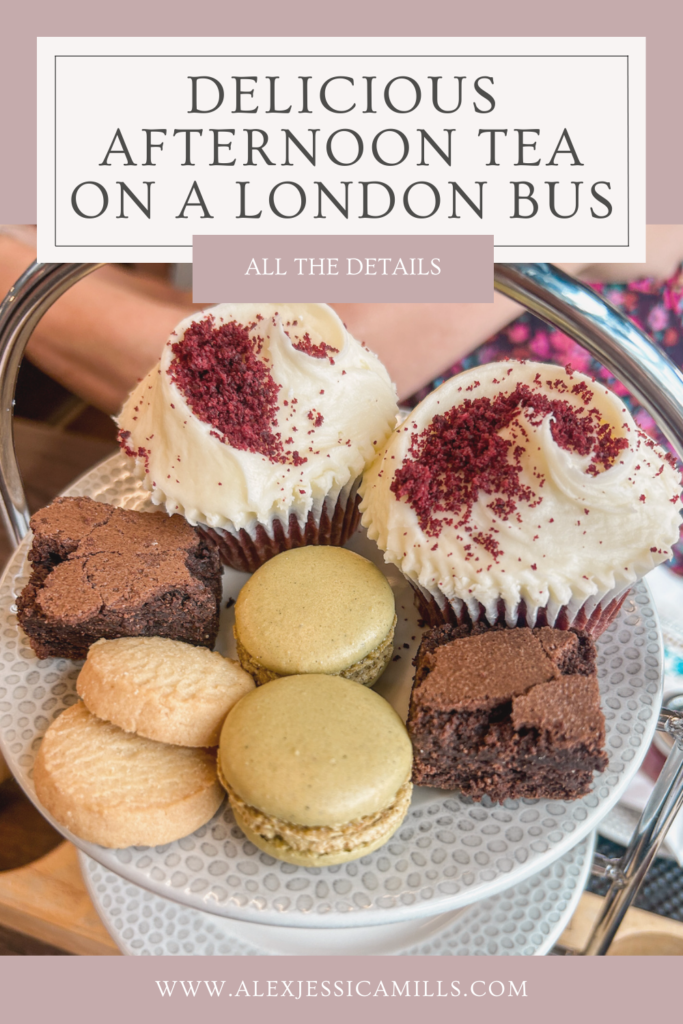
x,y
409,948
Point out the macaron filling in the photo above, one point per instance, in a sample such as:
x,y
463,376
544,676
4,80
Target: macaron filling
x,y
370,830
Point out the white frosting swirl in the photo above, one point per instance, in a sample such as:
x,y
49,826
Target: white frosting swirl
x,y
580,536
335,411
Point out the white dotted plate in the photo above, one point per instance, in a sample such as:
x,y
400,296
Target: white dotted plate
x,y
525,920
449,851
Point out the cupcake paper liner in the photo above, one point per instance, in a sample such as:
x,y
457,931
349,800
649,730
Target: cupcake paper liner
x,y
593,615
331,521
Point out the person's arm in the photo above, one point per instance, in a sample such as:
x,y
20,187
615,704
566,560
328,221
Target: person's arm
x,y
664,256
417,342
102,335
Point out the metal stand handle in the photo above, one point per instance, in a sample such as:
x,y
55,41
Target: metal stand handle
x,y
627,872
616,342
558,299
24,305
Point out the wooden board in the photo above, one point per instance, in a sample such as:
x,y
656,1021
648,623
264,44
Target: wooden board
x,y
48,901
641,933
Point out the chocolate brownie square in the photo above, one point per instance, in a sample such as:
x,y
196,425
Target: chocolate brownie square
x,y
506,712
100,571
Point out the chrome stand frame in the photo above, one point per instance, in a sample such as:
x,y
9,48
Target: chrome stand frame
x,y
23,306
554,297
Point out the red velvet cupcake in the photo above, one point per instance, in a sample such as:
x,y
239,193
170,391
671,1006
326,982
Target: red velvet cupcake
x,y
257,425
524,494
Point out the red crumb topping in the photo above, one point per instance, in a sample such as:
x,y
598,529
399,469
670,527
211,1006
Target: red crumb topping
x,y
217,369
321,351
462,454
133,453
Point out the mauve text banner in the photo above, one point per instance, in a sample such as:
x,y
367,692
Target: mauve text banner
x,y
441,989
342,268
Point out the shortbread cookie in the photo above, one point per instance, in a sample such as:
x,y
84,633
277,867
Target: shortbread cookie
x,y
117,789
162,689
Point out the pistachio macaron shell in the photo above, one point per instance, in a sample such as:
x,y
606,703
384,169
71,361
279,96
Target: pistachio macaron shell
x,y
314,609
315,750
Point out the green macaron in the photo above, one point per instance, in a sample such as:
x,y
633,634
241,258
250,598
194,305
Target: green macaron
x,y
317,769
316,610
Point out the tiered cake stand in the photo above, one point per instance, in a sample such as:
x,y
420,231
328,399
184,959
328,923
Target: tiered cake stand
x,y
458,876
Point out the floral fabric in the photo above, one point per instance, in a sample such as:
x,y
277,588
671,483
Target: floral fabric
x,y
655,306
